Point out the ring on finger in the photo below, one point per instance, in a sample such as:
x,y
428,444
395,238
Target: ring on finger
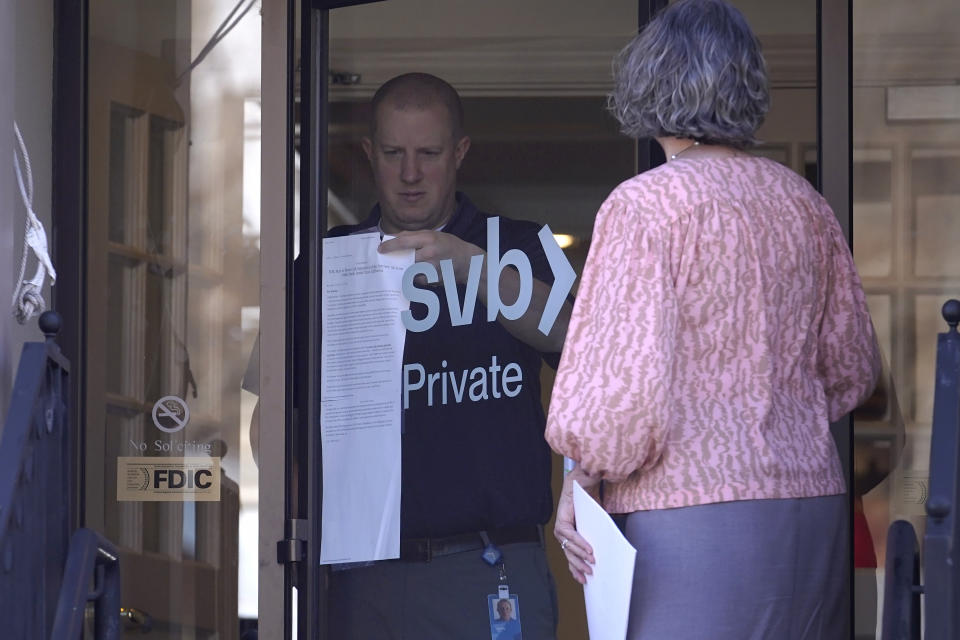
x,y
563,544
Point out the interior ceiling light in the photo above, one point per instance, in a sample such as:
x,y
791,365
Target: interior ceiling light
x,y
564,240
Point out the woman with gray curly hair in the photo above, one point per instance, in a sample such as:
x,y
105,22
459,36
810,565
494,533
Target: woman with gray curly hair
x,y
720,325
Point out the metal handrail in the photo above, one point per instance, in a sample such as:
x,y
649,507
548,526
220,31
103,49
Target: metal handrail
x,y
901,586
45,572
92,557
940,541
36,486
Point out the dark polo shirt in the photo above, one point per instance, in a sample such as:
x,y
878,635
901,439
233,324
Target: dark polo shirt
x,y
471,460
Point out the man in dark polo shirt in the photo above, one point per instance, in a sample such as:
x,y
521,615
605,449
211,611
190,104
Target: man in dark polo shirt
x,y
475,489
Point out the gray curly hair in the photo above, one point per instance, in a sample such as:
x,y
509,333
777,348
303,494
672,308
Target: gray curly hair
x,y
695,71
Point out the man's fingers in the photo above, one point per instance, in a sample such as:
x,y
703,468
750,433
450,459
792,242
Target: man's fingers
x,y
406,240
394,244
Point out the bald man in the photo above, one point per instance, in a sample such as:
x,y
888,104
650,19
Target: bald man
x,y
475,487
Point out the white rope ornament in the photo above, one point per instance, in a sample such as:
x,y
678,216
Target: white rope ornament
x,y
27,298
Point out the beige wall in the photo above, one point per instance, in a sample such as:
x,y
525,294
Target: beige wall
x,y
534,48
491,18
901,18
509,18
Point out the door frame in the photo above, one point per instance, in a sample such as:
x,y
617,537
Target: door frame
x,y
835,183
305,488
274,584
834,149
282,533
68,227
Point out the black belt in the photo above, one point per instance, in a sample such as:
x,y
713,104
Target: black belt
x,y
425,549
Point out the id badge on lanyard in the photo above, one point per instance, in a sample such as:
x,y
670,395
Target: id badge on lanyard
x,y
503,608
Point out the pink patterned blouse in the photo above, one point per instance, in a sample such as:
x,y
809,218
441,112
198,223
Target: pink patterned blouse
x,y
719,326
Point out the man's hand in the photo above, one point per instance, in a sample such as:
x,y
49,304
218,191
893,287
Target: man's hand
x,y
434,246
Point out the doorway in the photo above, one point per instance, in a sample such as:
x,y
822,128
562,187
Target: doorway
x,y
193,226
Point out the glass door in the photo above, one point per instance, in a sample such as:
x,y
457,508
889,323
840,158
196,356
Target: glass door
x,y
533,79
196,404
543,150
906,158
173,251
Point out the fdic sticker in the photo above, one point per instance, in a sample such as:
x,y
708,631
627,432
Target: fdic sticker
x,y
158,479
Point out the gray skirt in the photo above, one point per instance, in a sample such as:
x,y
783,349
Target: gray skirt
x,y
746,570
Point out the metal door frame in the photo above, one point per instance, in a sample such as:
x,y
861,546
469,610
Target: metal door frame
x,y
834,181
300,547
300,543
299,536
276,244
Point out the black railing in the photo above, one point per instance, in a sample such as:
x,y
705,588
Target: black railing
x,y
901,585
90,555
941,560
37,485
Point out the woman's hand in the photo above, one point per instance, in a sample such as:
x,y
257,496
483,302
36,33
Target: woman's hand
x,y
578,552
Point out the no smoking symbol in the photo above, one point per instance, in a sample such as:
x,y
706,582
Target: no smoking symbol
x,y
170,414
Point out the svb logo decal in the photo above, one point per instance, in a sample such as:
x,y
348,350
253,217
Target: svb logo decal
x,y
563,274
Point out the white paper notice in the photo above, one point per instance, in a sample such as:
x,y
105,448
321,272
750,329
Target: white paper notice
x,y
361,364
607,592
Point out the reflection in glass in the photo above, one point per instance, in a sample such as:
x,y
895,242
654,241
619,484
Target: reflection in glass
x,y
173,262
905,232
937,200
873,212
